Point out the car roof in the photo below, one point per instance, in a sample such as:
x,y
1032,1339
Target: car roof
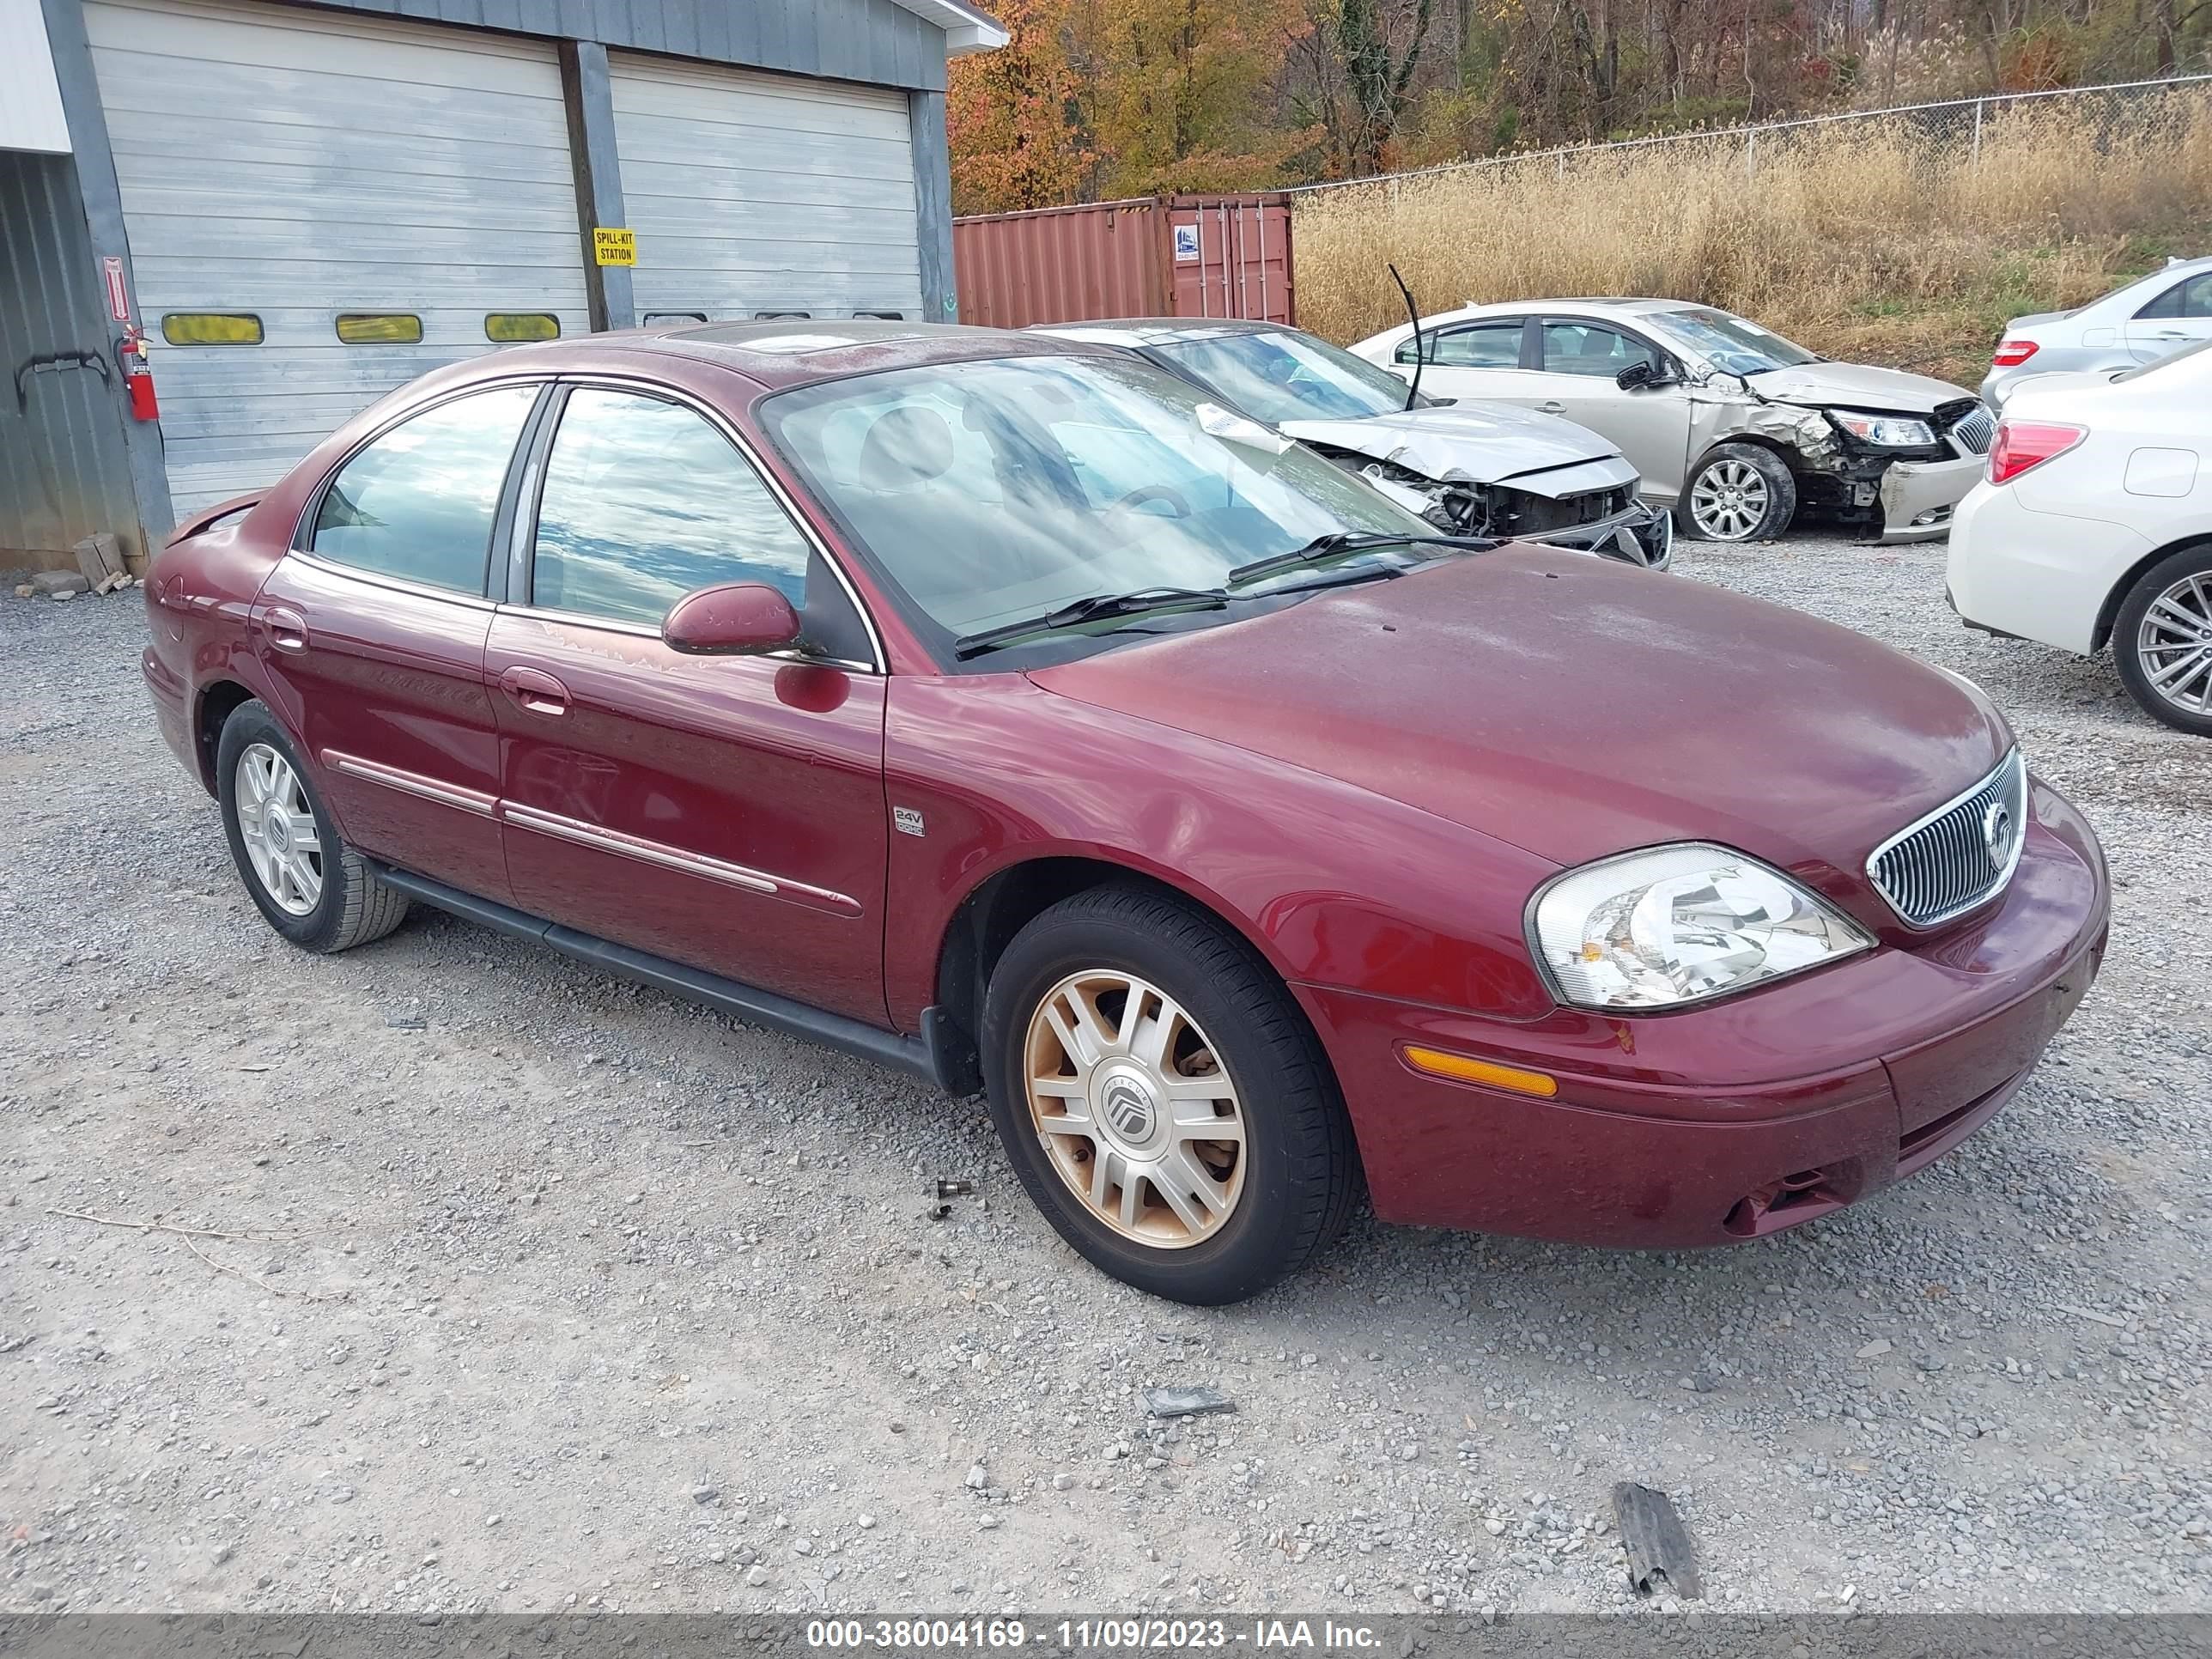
x,y
799,351
1627,304
1130,331
1615,305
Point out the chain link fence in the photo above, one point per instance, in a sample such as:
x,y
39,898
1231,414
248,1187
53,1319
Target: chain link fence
x,y
1908,236
2129,113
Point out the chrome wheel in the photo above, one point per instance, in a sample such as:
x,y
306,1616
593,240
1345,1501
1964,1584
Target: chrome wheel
x,y
1134,1109
2173,645
278,828
1730,500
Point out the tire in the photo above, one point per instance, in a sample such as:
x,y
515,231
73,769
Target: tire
x,y
1751,496
1233,1034
347,905
2144,644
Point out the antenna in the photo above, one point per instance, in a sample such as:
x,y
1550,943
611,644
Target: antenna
x,y
1421,353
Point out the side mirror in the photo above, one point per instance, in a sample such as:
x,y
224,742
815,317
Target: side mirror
x,y
1637,373
736,619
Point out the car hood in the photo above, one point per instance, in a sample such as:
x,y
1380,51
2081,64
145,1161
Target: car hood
x,y
1856,385
1471,442
1576,708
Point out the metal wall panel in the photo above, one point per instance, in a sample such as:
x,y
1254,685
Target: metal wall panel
x,y
62,472
296,164
877,41
1107,259
753,192
30,101
1063,264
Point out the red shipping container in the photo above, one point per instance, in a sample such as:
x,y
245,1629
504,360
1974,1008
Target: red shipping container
x,y
1149,256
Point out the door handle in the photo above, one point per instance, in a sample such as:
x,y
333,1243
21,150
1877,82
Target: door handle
x,y
1553,406
533,692
288,629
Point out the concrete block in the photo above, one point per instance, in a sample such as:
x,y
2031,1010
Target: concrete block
x,y
99,557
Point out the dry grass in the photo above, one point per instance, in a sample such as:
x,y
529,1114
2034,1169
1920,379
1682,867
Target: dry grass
x,y
1869,239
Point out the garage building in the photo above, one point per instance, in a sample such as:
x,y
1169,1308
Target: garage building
x,y
300,207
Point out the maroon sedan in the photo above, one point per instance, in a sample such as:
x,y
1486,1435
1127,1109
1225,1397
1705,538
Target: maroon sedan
x,y
1000,708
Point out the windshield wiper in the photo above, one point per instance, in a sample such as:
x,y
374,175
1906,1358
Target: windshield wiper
x,y
1337,543
1096,608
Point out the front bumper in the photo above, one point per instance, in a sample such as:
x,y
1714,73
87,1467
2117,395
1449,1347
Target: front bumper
x,y
1732,1122
1639,536
1917,497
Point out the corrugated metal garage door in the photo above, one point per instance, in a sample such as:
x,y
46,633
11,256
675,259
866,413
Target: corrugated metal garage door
x,y
763,193
296,165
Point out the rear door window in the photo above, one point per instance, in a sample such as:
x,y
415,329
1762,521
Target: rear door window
x,y
1482,345
419,502
2193,298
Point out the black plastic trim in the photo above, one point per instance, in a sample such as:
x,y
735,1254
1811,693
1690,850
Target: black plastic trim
x,y
484,912
931,1056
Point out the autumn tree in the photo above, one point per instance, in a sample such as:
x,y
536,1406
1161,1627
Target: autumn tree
x,y
1180,94
1013,117
1357,60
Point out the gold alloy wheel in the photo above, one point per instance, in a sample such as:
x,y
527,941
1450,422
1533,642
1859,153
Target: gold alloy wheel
x,y
1134,1109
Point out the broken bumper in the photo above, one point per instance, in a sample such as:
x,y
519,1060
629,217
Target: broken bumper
x,y
1638,536
1917,497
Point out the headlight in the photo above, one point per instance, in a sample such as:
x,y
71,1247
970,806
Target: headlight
x,y
1676,925
1884,431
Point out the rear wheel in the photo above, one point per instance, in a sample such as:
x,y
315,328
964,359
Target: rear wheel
x,y
309,885
2162,641
1161,1098
1739,493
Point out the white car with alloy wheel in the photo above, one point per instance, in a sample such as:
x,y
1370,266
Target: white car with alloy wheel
x,y
2094,527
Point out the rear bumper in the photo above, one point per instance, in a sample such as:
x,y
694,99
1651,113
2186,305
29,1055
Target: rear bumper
x,y
2033,576
1917,497
1697,1129
172,709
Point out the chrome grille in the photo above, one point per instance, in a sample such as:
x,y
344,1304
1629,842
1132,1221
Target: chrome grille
x,y
1973,429
1961,853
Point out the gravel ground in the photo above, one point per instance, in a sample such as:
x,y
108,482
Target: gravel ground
x,y
524,1289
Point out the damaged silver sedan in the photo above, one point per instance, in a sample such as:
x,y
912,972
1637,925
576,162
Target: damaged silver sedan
x,y
1738,430
1488,470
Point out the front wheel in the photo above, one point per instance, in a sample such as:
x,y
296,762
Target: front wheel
x,y
1739,493
2162,641
1161,1098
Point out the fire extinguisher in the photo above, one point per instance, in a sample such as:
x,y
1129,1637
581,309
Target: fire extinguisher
x,y
138,373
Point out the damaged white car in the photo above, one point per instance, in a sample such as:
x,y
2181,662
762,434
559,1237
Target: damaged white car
x,y
1735,428
1469,469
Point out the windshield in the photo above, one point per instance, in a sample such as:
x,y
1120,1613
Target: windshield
x,y
1282,376
1729,341
993,491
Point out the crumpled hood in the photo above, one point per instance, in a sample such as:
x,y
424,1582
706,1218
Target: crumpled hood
x,y
1856,386
1475,442
1576,708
